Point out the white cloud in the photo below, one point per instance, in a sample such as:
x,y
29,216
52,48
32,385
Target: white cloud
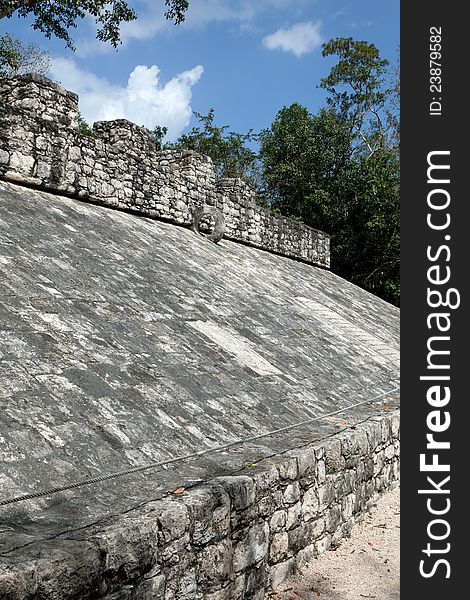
x,y
298,39
145,100
203,12
151,22
360,24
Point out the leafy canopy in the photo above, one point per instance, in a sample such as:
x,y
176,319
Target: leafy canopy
x,y
357,89
158,134
338,170
302,156
56,17
231,155
17,58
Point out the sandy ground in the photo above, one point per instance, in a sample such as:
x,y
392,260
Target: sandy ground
x,y
366,565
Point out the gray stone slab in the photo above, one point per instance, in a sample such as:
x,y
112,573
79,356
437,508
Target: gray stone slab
x,y
126,341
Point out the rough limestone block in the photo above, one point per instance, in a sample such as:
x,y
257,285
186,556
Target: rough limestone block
x,y
278,573
310,504
252,547
172,518
279,547
209,511
292,493
278,520
215,563
241,490
293,515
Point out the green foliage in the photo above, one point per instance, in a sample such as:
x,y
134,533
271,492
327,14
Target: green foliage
x,y
176,10
360,69
56,17
83,126
338,171
228,150
17,58
302,157
365,225
357,90
157,134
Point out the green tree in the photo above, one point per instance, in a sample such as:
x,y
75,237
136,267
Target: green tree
x,y
365,224
302,158
357,89
158,134
229,151
338,171
17,58
56,17
83,126
365,242
393,105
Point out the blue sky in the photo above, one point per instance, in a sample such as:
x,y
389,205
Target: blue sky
x,y
245,58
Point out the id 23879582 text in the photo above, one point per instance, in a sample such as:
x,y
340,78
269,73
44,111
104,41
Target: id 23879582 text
x,y
435,71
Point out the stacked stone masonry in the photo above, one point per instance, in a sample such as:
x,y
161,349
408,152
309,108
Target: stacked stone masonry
x,y
232,538
118,166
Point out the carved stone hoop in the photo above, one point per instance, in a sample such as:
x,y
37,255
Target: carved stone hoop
x,y
219,222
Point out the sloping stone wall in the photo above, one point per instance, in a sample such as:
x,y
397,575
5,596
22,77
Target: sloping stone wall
x,y
233,538
118,166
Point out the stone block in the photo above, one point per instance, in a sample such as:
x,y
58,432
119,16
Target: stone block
x,y
278,520
209,511
252,547
305,534
326,494
310,504
292,493
215,563
268,504
333,456
241,490
293,515
307,462
278,573
172,518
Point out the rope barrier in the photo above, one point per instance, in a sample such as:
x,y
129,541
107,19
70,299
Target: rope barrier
x,y
176,459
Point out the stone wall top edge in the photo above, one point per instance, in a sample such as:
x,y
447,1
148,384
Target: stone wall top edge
x,y
124,136
43,81
282,461
325,442
184,154
117,123
197,502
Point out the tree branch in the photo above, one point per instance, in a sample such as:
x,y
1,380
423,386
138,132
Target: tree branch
x,y
8,7
366,141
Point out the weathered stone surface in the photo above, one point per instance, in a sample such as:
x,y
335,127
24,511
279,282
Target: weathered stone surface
x,y
310,504
334,457
172,518
209,511
292,493
126,341
281,571
118,166
252,548
241,490
279,547
208,213
215,563
293,515
278,520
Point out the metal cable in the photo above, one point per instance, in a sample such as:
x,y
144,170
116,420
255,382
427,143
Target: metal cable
x,y
164,463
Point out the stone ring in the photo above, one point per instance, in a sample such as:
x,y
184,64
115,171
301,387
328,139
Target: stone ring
x,y
214,214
